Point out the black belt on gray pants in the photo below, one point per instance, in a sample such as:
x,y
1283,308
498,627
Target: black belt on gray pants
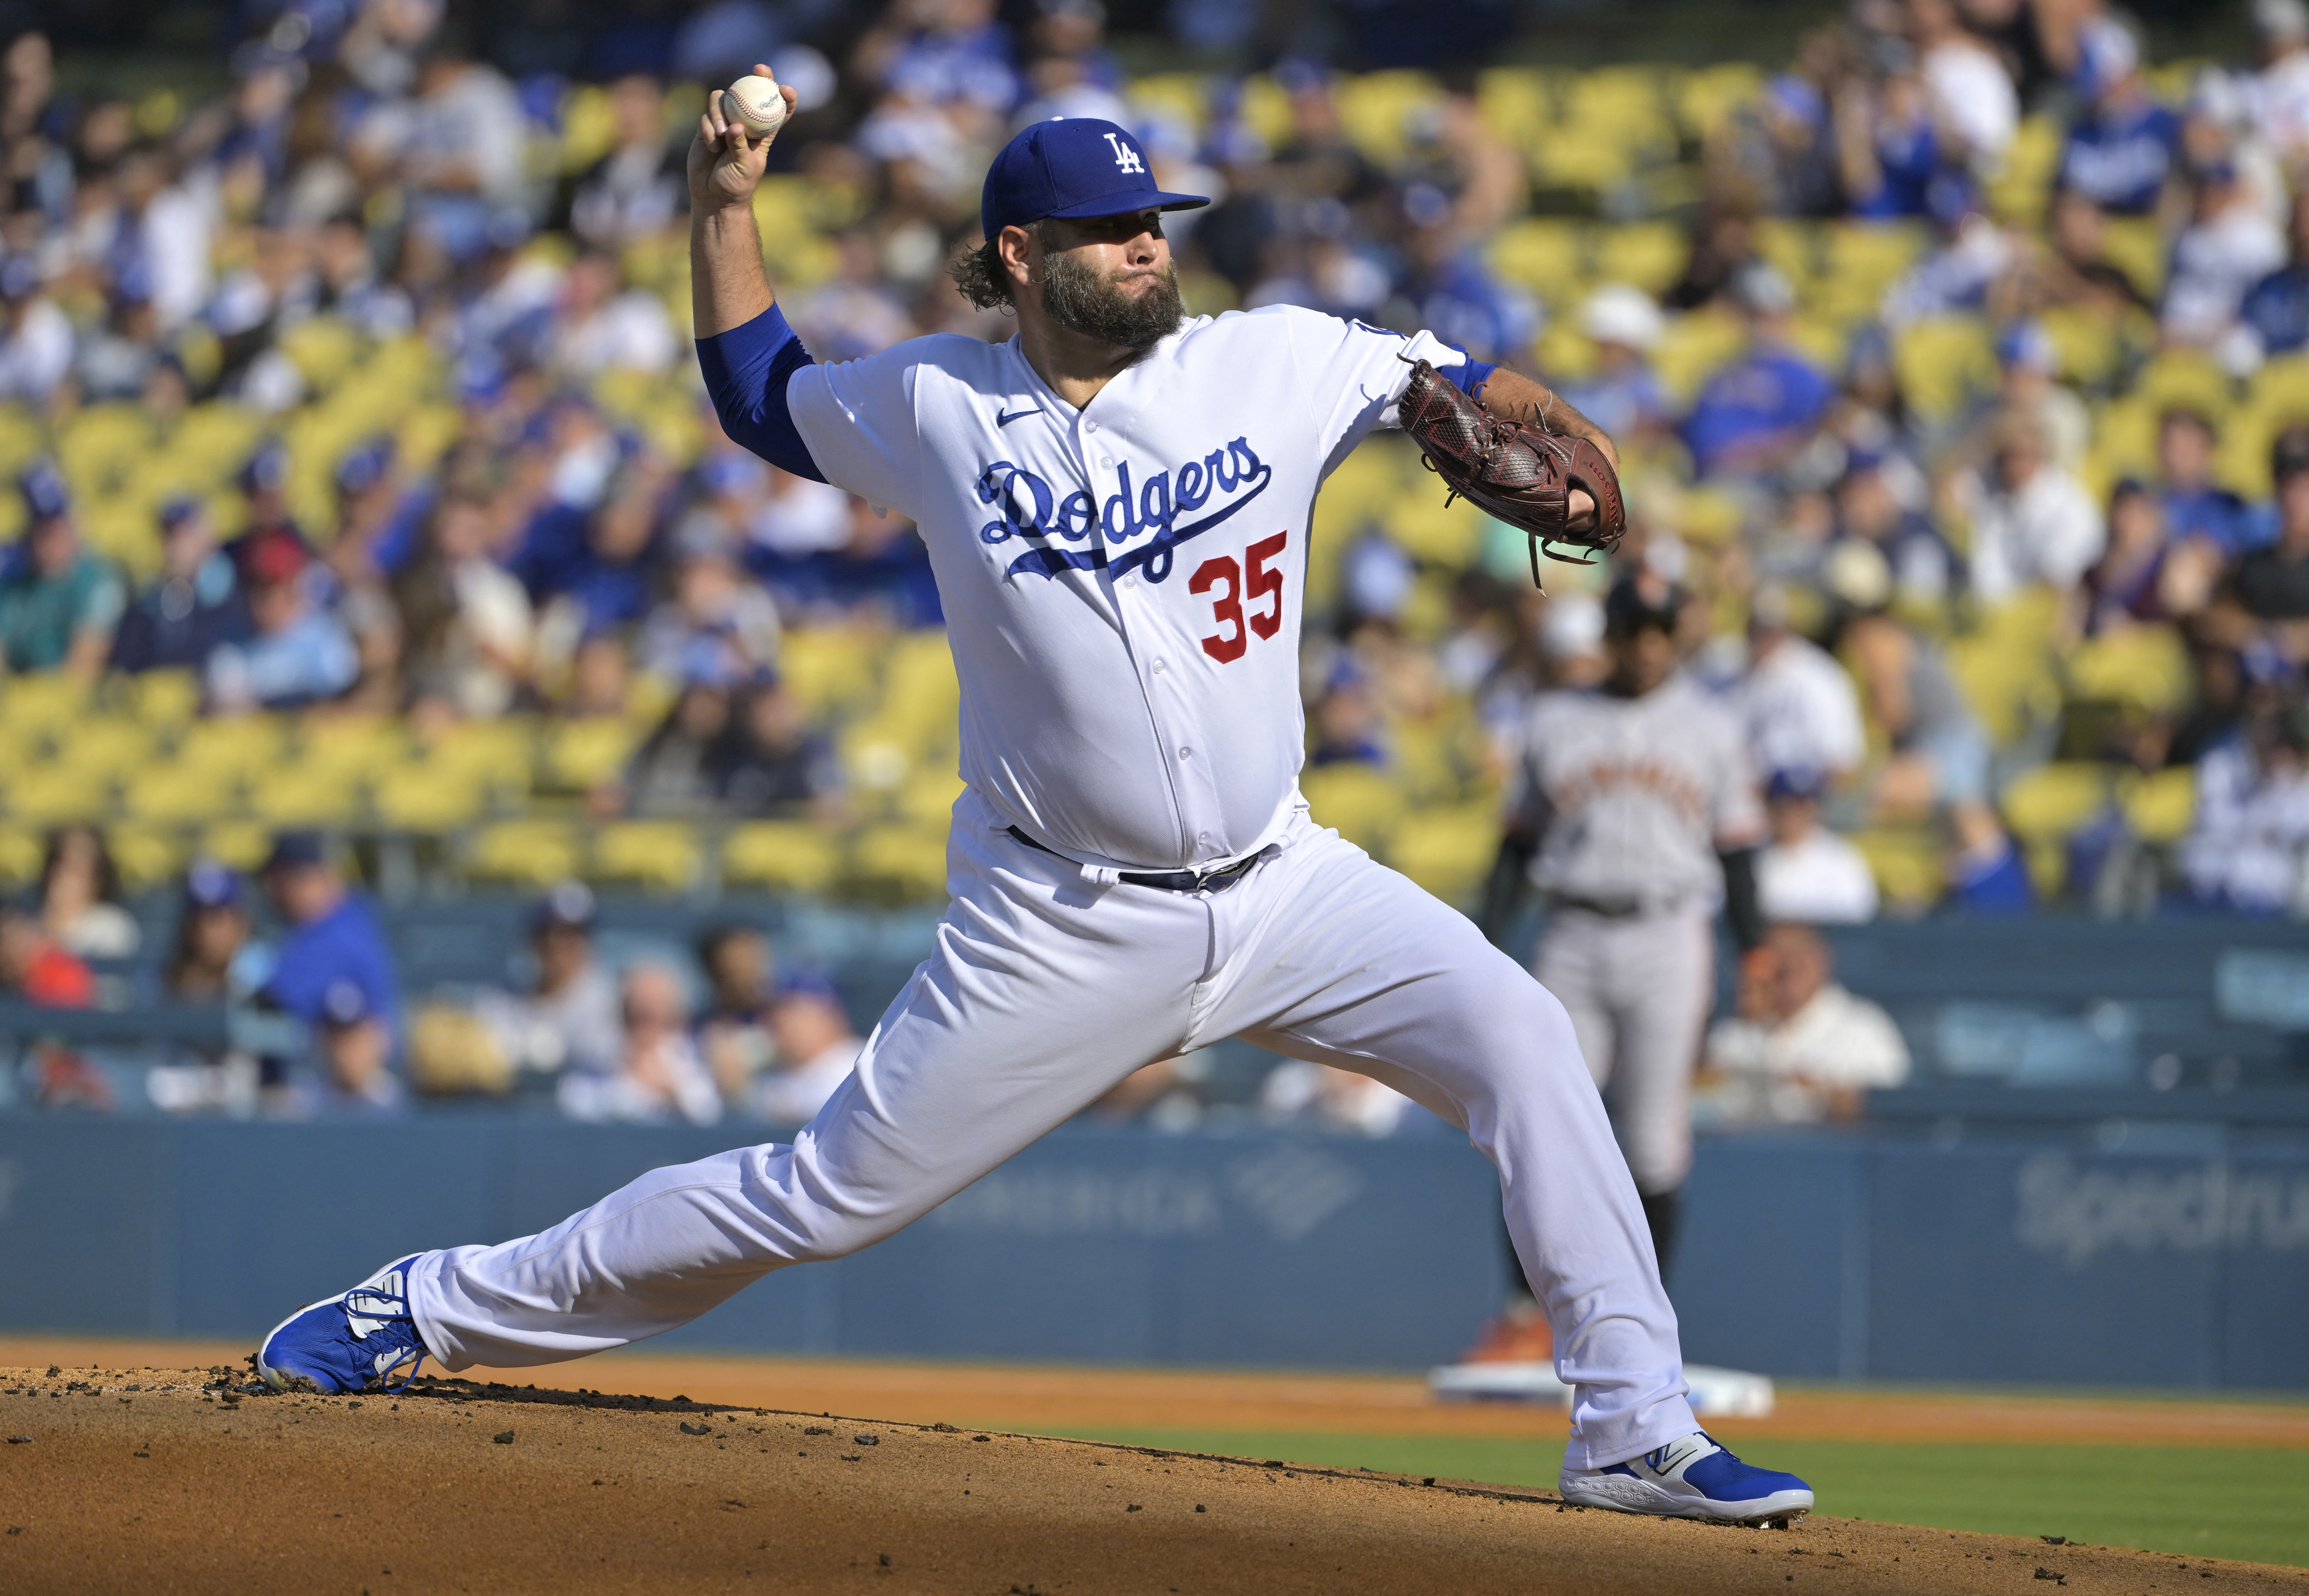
x,y
1169,881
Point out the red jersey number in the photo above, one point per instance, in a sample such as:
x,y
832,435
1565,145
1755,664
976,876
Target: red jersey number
x,y
1227,644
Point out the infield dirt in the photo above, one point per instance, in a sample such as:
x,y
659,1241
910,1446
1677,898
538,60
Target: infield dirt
x,y
139,1480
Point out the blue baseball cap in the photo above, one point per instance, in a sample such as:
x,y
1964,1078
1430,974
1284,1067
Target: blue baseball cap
x,y
208,885
46,495
1072,167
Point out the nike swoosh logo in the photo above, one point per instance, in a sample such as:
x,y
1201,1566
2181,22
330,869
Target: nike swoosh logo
x,y
1004,420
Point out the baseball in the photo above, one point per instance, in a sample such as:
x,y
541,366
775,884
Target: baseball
x,y
755,104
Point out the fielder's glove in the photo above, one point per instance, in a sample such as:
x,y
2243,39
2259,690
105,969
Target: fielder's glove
x,y
1515,470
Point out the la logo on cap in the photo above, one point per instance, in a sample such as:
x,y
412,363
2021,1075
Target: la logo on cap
x,y
1125,158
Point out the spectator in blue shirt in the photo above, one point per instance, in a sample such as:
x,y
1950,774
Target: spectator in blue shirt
x,y
2124,150
2276,309
333,938
1624,396
194,606
296,653
1450,292
1754,415
2193,507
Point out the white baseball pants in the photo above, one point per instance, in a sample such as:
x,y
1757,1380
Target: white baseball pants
x,y
1639,991
1042,992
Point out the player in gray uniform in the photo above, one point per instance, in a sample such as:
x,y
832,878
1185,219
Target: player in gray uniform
x,y
1637,812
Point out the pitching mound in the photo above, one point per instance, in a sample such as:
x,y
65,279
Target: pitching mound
x,y
182,1480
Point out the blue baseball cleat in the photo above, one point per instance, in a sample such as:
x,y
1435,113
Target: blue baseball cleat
x,y
348,1342
1692,1478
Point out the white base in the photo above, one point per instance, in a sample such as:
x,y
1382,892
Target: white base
x,y
1716,1393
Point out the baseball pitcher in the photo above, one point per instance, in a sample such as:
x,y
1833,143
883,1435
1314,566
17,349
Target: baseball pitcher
x,y
1116,503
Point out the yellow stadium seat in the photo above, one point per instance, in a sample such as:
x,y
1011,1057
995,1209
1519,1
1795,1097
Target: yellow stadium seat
x,y
1793,246
41,706
147,856
1695,347
1264,109
323,350
100,447
2010,686
362,747
2021,189
1357,801
785,855
2144,668
1548,254
241,843
20,855
830,670
2051,802
1517,103
1376,109
927,797
304,795
2162,806
243,746
1447,851
662,855
1430,530
1649,255
1906,862
501,753
423,798
2187,380
181,794
1943,364
164,699
530,853
2136,245
897,865
210,442
106,746
2090,350
1625,103
1705,97
586,753
1178,94
46,796
589,128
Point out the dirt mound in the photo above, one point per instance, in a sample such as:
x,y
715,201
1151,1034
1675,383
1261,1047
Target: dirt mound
x,y
182,1480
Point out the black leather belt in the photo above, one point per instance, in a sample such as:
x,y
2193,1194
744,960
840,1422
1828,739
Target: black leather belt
x,y
1169,881
1608,908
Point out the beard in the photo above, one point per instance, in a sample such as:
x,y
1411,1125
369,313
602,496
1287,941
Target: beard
x,y
1082,300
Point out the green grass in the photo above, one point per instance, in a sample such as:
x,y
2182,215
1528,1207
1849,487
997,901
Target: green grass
x,y
2221,1502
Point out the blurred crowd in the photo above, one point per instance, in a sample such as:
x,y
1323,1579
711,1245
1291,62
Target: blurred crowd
x,y
2004,558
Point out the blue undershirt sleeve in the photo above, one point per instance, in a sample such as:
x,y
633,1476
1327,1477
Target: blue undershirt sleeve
x,y
1469,378
747,369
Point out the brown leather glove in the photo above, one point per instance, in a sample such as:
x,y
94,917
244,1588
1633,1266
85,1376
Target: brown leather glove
x,y
1515,470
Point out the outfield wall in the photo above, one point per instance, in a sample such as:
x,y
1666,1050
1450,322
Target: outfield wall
x,y
2025,1260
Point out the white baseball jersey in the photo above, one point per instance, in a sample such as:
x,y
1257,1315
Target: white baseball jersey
x,y
1633,796
1122,583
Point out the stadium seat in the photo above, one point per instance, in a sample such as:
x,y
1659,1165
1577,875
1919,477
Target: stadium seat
x,y
897,863
1447,851
662,855
2161,806
1704,99
2021,189
784,856
1907,863
1174,94
525,853
2090,356
1376,109
361,748
2186,378
1943,364
99,448
48,795
928,796
1859,260
36,706
2143,668
106,746
830,670
423,798
498,753
585,753
241,843
176,793
1548,254
210,441
164,700
2136,244
305,795
1360,802
146,856
242,746
1518,103
1649,254
20,854
2051,801
324,349
1694,347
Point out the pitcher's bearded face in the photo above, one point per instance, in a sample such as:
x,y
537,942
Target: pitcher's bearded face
x,y
1135,308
